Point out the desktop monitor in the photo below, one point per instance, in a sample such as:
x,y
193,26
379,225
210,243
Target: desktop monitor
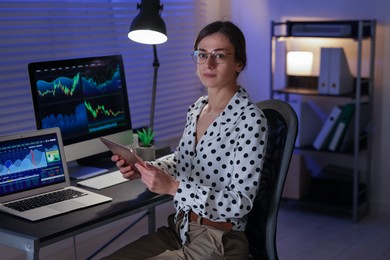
x,y
86,98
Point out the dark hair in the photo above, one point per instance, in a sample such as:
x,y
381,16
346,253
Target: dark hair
x,y
230,30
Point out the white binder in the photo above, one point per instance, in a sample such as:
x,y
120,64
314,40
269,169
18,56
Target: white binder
x,y
323,79
323,136
341,80
335,77
341,126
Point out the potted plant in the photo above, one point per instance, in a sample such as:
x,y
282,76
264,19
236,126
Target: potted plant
x,y
145,147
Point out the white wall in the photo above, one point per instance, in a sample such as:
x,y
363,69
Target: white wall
x,y
254,16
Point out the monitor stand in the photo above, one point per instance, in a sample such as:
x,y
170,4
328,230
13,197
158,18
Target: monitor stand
x,y
90,166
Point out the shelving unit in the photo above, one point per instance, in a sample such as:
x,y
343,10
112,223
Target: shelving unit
x,y
361,33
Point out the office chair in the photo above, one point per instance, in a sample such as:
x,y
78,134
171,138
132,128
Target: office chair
x,y
262,220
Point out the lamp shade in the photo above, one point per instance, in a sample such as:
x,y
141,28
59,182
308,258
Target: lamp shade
x,y
148,27
299,63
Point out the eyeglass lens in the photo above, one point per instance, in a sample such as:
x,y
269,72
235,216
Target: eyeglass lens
x,y
200,57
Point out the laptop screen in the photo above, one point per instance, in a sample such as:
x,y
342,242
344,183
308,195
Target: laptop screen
x,y
28,163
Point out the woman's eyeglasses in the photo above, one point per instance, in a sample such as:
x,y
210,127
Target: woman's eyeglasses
x,y
200,57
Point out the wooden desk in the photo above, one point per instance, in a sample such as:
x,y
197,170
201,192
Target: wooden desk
x,y
128,198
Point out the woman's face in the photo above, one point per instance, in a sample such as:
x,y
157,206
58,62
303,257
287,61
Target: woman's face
x,y
213,73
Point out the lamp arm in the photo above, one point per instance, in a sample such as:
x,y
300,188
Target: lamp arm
x,y
156,65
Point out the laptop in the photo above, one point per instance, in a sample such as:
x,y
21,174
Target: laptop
x,y
32,168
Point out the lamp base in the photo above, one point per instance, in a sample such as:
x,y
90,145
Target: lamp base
x,y
307,82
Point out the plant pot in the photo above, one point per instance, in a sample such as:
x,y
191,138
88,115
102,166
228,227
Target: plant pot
x,y
147,153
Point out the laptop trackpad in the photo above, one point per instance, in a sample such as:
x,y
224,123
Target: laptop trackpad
x,y
66,206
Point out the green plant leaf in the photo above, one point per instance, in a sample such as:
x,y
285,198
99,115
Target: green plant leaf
x,y
146,136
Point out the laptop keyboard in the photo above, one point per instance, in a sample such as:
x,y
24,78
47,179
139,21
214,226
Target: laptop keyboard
x,y
45,199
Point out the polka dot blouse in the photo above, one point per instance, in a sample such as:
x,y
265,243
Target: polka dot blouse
x,y
219,176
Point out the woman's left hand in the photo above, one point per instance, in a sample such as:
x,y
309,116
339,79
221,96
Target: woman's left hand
x,y
157,180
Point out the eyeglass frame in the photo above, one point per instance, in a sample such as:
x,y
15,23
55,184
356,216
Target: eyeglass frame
x,y
213,55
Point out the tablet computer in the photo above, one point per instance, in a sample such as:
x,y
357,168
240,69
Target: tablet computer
x,y
126,153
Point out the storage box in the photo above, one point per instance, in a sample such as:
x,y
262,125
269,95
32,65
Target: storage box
x,y
298,179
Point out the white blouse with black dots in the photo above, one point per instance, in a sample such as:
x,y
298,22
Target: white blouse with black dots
x,y
219,176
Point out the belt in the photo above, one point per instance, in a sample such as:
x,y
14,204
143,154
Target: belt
x,y
193,217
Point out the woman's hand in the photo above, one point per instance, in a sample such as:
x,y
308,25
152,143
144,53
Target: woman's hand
x,y
157,180
128,171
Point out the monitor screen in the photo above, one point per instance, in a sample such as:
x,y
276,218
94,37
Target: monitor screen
x,y
86,98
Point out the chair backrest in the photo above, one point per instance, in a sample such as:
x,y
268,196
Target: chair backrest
x,y
262,220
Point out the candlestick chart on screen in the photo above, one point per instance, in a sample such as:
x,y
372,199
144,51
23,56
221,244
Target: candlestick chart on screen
x,y
81,100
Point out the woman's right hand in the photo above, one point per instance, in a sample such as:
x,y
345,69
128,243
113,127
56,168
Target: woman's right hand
x,y
128,171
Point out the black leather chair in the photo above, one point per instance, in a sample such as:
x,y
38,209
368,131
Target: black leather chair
x,y
262,223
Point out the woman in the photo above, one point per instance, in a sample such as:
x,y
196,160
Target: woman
x,y
215,172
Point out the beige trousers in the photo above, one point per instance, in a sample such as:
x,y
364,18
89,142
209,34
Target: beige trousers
x,y
204,243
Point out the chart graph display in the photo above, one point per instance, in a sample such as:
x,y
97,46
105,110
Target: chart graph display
x,y
24,161
85,98
26,164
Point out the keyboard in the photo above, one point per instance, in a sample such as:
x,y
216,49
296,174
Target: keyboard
x,y
43,200
103,181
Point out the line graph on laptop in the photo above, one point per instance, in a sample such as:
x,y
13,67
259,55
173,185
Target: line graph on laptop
x,y
29,164
22,160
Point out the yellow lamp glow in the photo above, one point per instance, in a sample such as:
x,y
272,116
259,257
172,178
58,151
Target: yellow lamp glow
x,y
299,63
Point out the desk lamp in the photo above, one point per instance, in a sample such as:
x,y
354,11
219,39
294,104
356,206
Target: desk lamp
x,y
299,63
299,67
149,28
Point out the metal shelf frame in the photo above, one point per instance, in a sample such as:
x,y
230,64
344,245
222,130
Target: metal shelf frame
x,y
358,30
